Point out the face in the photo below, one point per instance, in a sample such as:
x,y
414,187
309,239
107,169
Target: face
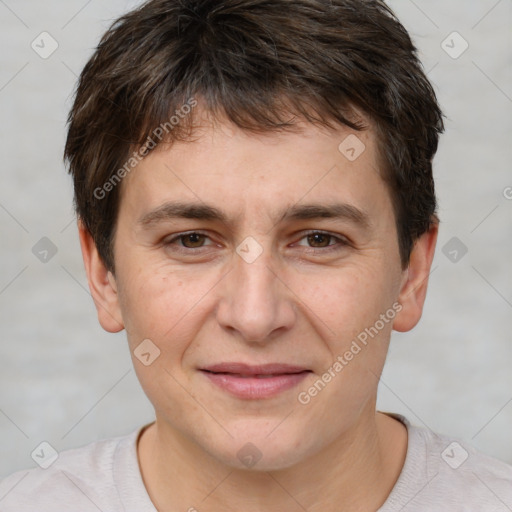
x,y
264,270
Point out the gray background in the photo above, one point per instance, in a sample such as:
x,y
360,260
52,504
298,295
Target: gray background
x,y
65,381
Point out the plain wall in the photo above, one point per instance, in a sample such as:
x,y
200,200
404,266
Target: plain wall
x,y
65,381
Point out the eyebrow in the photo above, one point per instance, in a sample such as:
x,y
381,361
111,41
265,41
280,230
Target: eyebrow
x,y
200,211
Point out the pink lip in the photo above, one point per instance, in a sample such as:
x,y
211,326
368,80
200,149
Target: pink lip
x,y
247,369
255,382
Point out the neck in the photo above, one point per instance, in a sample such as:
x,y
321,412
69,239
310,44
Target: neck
x,y
356,472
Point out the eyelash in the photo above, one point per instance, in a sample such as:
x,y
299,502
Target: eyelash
x,y
340,242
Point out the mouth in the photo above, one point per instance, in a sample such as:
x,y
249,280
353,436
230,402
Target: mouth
x,y
255,382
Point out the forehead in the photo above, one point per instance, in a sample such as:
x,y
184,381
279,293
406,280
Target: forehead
x,y
236,170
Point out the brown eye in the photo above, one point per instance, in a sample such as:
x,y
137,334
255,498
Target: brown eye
x,y
322,242
319,239
192,240
192,243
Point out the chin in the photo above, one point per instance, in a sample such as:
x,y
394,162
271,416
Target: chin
x,y
254,449
250,458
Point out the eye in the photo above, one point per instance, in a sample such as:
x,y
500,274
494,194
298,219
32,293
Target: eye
x,y
313,241
192,240
323,240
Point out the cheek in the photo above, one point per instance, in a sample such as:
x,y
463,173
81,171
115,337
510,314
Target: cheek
x,y
161,309
345,299
151,305
166,306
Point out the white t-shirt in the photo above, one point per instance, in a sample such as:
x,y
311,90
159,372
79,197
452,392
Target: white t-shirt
x,y
439,474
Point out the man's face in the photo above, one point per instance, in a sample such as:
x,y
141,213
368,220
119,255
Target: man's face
x,y
258,286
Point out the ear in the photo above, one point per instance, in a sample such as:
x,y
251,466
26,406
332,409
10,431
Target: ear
x,y
101,283
413,289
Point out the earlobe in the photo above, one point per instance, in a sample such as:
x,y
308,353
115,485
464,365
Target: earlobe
x,y
415,280
102,284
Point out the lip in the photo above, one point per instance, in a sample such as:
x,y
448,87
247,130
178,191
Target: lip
x,y
255,382
261,369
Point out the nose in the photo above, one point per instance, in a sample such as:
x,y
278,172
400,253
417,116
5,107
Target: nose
x,y
255,302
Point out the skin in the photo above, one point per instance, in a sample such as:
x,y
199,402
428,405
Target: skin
x,y
297,303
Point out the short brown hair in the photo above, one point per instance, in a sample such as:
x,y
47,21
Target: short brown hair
x,y
260,63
